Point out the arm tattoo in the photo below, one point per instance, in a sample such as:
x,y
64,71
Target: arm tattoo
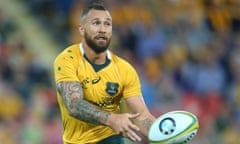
x,y
146,123
79,108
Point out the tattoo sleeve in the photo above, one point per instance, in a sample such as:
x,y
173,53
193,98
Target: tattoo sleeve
x,y
79,108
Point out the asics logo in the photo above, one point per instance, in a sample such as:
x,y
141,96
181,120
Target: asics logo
x,y
94,81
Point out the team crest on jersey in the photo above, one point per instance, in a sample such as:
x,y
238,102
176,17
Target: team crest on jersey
x,y
112,88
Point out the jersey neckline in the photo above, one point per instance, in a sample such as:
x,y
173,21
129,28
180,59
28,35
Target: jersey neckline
x,y
96,67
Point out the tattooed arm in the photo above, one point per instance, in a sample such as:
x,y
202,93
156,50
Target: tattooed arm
x,y
79,108
145,119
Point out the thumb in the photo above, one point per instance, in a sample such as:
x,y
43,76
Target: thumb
x,y
132,116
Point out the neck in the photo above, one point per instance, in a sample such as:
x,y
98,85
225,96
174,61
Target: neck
x,y
96,58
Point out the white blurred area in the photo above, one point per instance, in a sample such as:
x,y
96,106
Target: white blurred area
x,y
187,53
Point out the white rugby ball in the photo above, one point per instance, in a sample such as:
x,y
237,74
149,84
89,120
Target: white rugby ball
x,y
175,127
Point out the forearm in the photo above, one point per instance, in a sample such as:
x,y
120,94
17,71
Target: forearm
x,y
88,112
144,122
79,108
145,119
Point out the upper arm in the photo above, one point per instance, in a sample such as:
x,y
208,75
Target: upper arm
x,y
71,92
130,81
67,82
136,104
77,106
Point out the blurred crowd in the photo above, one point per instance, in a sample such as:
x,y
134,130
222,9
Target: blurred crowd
x,y
187,53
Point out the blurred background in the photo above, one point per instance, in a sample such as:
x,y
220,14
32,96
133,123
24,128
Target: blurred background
x,y
187,53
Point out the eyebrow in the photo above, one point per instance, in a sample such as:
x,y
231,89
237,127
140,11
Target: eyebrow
x,y
108,19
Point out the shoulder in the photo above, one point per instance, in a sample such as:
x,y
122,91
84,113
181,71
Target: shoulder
x,y
122,63
70,52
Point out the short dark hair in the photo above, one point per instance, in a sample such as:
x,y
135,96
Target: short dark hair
x,y
93,5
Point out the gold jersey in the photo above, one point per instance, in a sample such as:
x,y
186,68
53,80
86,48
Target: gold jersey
x,y
103,86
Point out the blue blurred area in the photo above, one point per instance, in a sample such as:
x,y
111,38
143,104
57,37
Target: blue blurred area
x,y
186,52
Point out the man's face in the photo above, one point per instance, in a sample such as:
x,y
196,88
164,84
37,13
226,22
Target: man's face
x,y
97,30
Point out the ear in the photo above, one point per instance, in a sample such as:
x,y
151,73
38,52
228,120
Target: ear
x,y
81,29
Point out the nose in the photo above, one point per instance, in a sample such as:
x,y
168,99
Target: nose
x,y
102,28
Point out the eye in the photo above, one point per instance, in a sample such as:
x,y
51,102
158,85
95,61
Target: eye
x,y
107,24
96,23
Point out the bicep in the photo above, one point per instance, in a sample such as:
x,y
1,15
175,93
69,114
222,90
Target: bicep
x,y
136,104
71,91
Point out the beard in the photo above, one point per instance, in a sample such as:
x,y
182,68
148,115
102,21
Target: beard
x,y
95,46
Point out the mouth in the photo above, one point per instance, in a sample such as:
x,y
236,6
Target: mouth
x,y
101,38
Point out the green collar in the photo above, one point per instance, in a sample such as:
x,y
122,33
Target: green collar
x,y
98,67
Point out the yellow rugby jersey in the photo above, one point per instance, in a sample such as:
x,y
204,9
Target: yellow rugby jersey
x,y
102,86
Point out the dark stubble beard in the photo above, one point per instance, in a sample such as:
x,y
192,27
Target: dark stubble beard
x,y
98,48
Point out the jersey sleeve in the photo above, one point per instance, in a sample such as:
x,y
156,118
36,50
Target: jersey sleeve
x,y
132,85
64,69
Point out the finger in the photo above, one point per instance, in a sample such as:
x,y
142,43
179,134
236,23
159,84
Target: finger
x,y
132,116
121,132
133,136
134,127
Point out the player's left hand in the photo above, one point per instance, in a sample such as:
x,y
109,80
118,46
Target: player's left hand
x,y
122,124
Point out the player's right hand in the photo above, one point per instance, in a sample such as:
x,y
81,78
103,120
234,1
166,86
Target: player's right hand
x,y
122,124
